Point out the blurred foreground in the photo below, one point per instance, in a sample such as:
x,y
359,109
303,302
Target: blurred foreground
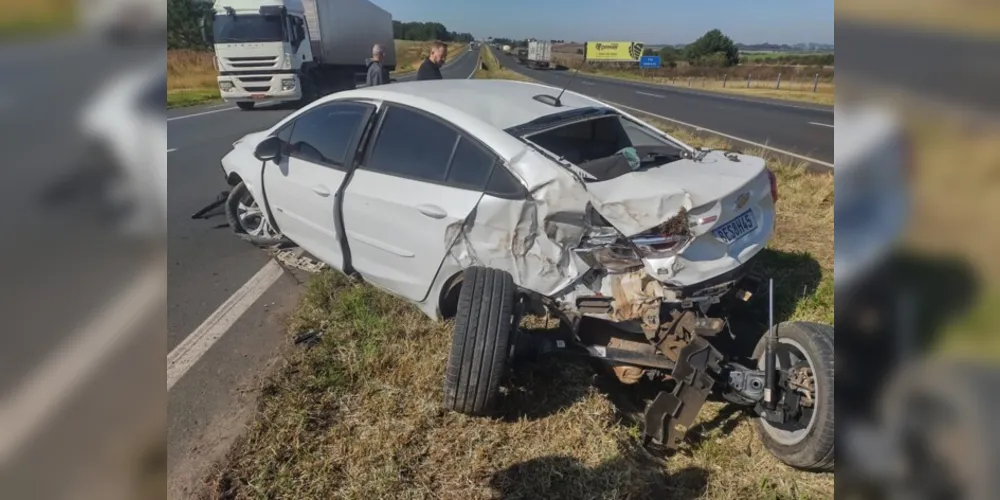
x,y
82,407
918,181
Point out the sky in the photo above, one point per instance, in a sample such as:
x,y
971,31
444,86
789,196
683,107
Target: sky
x,y
648,21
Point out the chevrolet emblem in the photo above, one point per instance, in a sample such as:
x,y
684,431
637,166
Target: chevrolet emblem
x,y
742,200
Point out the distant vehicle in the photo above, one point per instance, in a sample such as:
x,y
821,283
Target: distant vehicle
x,y
295,50
539,54
506,49
487,199
522,56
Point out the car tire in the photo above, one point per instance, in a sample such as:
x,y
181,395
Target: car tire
x,y
241,194
480,342
812,446
244,105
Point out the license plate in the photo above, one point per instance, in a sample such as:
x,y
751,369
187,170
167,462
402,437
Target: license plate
x,y
257,97
737,228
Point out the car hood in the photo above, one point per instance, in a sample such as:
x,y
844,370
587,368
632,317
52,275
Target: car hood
x,y
638,201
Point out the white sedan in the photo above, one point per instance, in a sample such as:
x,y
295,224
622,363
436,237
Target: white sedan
x,y
484,199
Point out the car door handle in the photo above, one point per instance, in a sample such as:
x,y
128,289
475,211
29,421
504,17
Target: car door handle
x,y
432,211
321,190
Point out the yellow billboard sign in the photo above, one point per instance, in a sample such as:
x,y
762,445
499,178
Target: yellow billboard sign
x,y
613,51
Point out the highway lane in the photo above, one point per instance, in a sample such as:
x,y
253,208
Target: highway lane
x,y
207,263
957,70
61,266
803,129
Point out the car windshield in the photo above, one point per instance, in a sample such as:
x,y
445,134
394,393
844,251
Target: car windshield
x,y
598,145
247,28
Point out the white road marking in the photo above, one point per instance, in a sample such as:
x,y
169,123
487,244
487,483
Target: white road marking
x,y
651,95
195,345
32,403
588,83
171,150
192,115
821,124
727,136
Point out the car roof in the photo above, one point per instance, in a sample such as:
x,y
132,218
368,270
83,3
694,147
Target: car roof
x,y
500,103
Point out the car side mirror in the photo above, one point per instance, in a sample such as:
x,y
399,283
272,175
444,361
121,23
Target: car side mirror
x,y
268,150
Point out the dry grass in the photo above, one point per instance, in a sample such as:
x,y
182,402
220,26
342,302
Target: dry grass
x,y
493,69
796,83
190,70
38,16
410,54
358,416
952,221
977,17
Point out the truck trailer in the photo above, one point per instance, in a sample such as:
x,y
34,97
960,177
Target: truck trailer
x,y
539,54
270,51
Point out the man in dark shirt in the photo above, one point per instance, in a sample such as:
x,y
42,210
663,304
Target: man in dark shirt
x,y
377,74
431,67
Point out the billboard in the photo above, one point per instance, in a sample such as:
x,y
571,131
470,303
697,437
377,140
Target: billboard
x,y
613,51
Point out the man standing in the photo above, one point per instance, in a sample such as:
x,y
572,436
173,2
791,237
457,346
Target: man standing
x,y
431,67
377,74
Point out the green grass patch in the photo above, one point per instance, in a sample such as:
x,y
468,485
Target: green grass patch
x,y
183,98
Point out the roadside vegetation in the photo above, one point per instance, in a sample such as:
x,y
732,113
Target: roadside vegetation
x,y
796,81
38,17
980,18
714,63
359,415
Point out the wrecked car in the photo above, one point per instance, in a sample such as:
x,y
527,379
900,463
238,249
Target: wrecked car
x,y
487,200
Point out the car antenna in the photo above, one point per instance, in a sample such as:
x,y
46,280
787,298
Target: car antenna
x,y
571,78
556,102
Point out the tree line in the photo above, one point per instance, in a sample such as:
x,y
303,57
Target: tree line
x,y
184,27
426,31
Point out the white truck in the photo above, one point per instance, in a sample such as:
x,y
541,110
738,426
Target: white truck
x,y
539,54
295,50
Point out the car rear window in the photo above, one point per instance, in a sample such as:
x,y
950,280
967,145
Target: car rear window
x,y
594,144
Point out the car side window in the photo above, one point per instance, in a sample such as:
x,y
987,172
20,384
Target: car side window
x,y
412,145
322,135
470,165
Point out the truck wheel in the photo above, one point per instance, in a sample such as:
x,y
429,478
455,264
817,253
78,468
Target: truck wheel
x,y
244,105
806,442
480,341
246,218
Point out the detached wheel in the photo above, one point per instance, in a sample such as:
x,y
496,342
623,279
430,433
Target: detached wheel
x,y
481,341
247,220
805,442
244,105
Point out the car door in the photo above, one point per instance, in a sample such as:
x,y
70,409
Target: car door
x,y
404,197
301,189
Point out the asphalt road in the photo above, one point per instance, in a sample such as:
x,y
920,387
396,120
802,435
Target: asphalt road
x,y
949,68
61,265
804,129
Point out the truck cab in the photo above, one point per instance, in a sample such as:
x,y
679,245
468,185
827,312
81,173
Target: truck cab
x,y
261,47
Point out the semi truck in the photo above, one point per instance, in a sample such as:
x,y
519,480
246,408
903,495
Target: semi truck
x,y
539,54
522,56
269,51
